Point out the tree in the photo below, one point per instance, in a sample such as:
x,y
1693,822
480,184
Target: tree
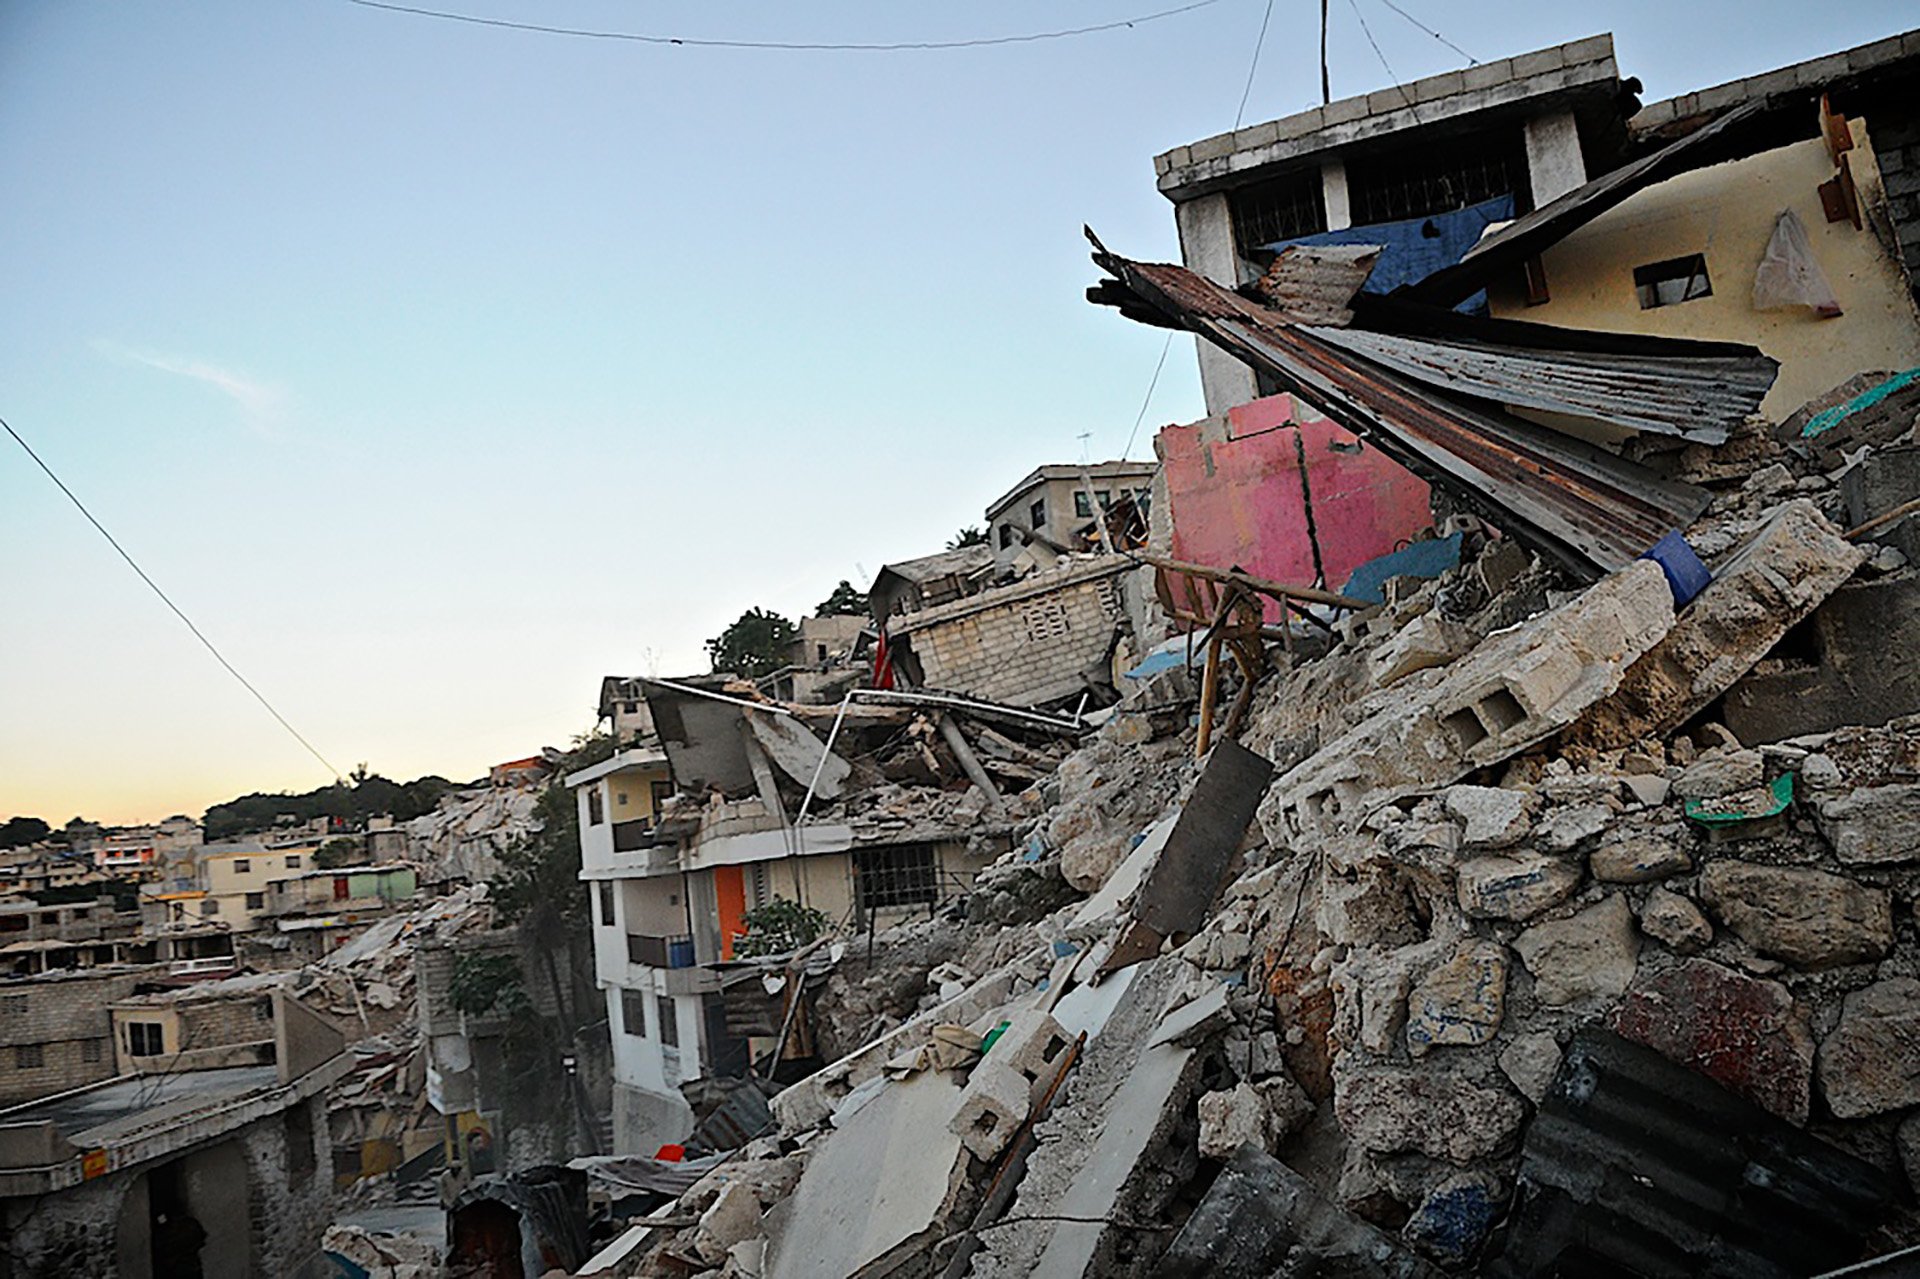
x,y
844,602
31,830
344,851
778,927
755,645
970,535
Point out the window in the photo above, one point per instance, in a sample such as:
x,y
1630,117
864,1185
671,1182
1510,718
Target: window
x,y
669,1023
242,866
819,652
29,1056
1006,536
1284,209
1104,497
211,906
13,1005
606,903
1037,514
256,901
895,877
145,1039
620,799
1082,507
633,1013
293,861
90,1051
1671,282
596,806
1436,177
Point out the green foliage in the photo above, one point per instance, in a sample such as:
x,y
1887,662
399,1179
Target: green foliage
x,y
755,645
539,880
971,535
367,795
18,831
345,851
845,601
125,894
488,983
778,927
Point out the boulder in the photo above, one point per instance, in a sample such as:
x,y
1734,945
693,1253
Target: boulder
x,y
1806,917
1870,1063
1672,919
1514,887
1388,1109
1874,825
1639,859
1742,1032
1461,1002
1584,959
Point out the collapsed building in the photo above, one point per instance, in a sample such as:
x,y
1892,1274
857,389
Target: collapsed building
x,y
1528,891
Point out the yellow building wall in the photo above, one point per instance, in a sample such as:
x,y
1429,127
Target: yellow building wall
x,y
630,794
1727,213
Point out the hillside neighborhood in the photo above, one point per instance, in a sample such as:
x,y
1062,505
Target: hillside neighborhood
x,y
1454,811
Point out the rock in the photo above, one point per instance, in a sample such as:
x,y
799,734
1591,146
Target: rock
x,y
1720,773
1461,1002
1587,958
734,1216
1383,1008
1423,643
1819,771
1086,862
1443,1116
1874,825
1231,1119
1870,1063
1514,887
1452,1223
1672,919
1769,481
1650,789
1639,859
1288,1106
1567,828
1886,559
1494,818
1740,1031
1806,917
1530,1062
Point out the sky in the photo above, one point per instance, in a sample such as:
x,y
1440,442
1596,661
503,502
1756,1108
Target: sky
x,y
437,370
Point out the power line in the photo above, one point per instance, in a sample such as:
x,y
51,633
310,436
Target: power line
x,y
1368,31
781,45
217,656
1148,399
1260,41
1471,60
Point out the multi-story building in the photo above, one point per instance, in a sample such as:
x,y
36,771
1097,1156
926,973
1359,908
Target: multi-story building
x,y
236,878
1054,505
680,843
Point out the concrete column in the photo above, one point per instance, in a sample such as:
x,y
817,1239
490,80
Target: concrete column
x,y
1554,163
1206,246
1333,194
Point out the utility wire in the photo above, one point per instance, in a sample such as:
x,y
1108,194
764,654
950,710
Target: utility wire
x,y
217,656
1368,31
1148,399
781,45
1471,60
1258,42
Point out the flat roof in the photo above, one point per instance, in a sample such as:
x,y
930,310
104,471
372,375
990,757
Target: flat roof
x,y
632,757
1068,471
93,1117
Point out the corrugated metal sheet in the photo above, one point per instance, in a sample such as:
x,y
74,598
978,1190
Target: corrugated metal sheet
x,y
1588,508
1699,399
1312,284
1531,233
1637,1166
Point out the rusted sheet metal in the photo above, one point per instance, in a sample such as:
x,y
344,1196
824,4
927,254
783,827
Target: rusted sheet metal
x,y
1588,508
1312,284
1698,399
1528,235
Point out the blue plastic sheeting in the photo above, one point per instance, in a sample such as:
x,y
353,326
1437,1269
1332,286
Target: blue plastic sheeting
x,y
1414,249
1157,662
1686,575
1418,559
1839,413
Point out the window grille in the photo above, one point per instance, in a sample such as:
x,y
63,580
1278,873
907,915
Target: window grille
x,y
1437,177
1282,208
885,877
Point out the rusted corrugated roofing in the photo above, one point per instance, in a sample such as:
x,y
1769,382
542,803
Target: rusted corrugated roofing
x,y
1313,283
1588,508
1696,398
1547,225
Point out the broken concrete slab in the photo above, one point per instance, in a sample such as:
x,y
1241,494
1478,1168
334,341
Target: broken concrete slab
x,y
875,1192
1421,644
1585,959
1803,916
1174,897
1492,817
1796,559
1516,689
1874,825
796,752
1514,887
1388,1109
1260,1216
1867,1064
1833,671
1197,1020
1742,1032
1675,921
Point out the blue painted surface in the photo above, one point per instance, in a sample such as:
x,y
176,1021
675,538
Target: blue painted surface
x,y
1453,1222
1157,662
1686,575
1414,249
1418,559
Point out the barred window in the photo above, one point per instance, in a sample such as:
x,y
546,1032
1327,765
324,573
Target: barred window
x,y
1437,177
1282,208
29,1056
895,877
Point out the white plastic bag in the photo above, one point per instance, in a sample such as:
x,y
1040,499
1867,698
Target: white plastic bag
x,y
1789,275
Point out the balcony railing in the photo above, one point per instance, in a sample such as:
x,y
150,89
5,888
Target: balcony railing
x,y
660,952
631,837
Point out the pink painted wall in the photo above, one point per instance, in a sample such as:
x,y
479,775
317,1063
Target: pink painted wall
x,y
1233,489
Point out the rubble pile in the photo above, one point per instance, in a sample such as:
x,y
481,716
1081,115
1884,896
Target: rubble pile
x,y
1509,844
463,837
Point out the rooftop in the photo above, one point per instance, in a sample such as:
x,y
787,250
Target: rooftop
x,y
632,757
1067,471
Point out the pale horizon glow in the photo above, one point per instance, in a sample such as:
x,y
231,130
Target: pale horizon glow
x,y
437,371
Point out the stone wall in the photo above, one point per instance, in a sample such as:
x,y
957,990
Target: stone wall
x,y
1033,642
67,1019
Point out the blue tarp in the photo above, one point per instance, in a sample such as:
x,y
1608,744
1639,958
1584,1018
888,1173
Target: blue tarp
x,y
1414,249
1430,558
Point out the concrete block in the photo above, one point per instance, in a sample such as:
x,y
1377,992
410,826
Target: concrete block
x,y
1343,111
1879,53
1299,125
1528,65
1381,101
1723,97
1213,148
1259,135
1440,86
1033,1044
1591,49
1820,70
996,1101
1487,74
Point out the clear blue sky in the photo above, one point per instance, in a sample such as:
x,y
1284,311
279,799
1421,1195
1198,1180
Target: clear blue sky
x,y
437,371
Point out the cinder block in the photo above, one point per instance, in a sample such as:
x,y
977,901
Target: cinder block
x,y
1436,87
996,1101
1591,49
1533,64
1821,70
1213,148
1880,51
1032,1044
1488,74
